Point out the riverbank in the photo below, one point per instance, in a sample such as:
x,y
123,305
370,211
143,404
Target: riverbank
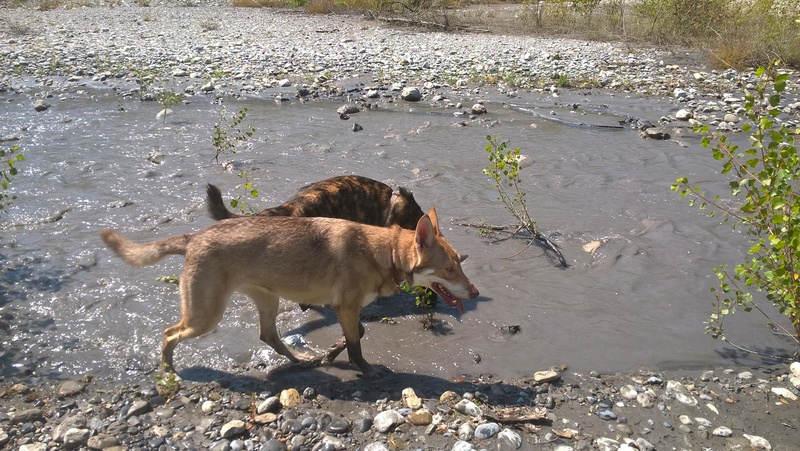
x,y
208,51
307,409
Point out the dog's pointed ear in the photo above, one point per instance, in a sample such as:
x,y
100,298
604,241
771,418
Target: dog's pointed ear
x,y
434,220
425,234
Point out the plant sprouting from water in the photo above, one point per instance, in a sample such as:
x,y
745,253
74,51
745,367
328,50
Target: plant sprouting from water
x,y
504,170
168,99
9,158
229,133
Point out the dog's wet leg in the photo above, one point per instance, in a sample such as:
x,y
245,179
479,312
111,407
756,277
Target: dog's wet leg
x,y
202,305
353,330
267,305
339,346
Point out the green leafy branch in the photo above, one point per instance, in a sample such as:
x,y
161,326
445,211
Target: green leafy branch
x,y
424,299
228,134
766,179
9,158
504,169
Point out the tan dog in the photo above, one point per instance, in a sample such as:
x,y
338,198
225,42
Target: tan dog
x,y
320,261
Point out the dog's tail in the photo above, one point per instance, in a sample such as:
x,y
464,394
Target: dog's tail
x,y
143,254
215,204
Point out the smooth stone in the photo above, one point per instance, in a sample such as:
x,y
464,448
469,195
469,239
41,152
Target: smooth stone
x,y
387,420
468,407
290,398
487,430
232,429
722,431
510,437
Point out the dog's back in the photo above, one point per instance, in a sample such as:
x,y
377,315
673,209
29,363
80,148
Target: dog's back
x,y
350,197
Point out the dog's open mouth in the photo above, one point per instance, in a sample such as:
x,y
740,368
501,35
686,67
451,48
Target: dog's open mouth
x,y
448,297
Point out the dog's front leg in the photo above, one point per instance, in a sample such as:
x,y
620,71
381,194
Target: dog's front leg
x,y
339,346
353,330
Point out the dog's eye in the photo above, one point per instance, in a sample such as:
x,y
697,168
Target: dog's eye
x,y
449,269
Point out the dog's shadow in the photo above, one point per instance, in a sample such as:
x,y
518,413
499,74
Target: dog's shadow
x,y
395,306
340,381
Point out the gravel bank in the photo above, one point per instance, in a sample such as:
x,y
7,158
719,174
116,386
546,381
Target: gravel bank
x,y
215,51
250,50
304,410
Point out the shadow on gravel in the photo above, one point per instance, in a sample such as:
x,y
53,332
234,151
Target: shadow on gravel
x,y
341,381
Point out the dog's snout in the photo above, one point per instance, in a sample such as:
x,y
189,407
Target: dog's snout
x,y
473,292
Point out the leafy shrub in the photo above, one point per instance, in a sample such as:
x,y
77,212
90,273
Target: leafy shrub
x,y
766,178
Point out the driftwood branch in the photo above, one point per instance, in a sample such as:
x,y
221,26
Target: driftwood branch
x,y
551,249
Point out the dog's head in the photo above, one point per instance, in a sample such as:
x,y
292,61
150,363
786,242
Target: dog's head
x,y
404,210
438,265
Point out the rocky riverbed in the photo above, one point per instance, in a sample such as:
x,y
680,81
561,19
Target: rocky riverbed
x,y
217,51
298,409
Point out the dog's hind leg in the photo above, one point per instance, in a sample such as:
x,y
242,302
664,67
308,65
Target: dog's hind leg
x,y
203,301
267,305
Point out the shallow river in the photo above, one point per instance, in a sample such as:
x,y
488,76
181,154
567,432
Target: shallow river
x,y
72,308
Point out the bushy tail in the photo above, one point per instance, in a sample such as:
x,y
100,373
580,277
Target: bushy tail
x,y
143,254
215,204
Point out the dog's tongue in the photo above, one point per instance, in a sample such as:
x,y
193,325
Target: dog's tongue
x,y
448,297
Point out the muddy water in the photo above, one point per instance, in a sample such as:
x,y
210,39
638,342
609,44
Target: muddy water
x,y
639,301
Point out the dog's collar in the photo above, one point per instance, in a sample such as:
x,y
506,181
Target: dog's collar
x,y
398,275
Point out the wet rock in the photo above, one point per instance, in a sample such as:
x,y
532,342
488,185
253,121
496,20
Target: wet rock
x,y
70,388
357,128
411,94
462,445
684,114
478,108
34,447
655,133
348,109
40,105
